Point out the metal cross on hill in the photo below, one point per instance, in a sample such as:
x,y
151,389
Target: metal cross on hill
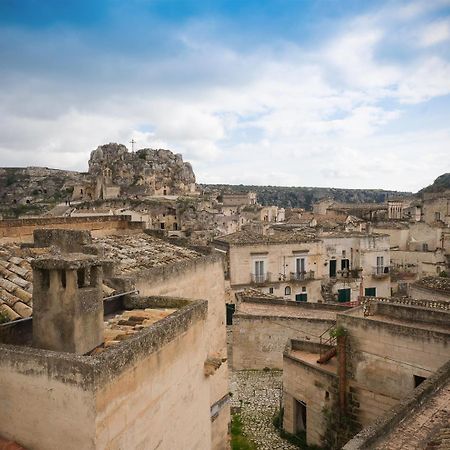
x,y
132,142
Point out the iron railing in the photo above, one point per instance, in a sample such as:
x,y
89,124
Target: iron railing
x,y
302,276
260,278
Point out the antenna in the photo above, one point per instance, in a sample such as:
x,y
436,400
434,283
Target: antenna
x,y
132,142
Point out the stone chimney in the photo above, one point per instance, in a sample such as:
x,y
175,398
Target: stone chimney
x,y
67,303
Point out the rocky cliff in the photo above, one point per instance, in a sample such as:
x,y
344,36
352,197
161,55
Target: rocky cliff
x,y
147,171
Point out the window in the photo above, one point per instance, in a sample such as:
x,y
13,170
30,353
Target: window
x,y
380,265
370,292
303,297
287,290
303,288
300,265
344,295
425,247
345,265
271,290
437,216
259,271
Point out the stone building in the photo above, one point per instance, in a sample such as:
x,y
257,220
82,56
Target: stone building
x,y
420,420
379,354
115,172
262,324
144,368
307,265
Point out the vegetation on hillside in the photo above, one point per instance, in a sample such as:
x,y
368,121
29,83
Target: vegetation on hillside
x,y
440,184
305,197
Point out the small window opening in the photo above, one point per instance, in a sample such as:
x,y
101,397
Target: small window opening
x,y
287,290
81,277
327,395
418,380
63,279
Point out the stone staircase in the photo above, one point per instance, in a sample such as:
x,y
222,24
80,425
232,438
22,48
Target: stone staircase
x,y
327,291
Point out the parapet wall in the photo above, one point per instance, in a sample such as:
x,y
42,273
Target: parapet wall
x,y
21,230
368,437
107,400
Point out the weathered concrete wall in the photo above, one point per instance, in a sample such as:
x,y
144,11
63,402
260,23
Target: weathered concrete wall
x,y
201,278
21,230
147,392
42,411
310,385
259,341
384,358
162,402
424,263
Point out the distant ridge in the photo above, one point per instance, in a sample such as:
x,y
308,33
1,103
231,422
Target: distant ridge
x,y
305,197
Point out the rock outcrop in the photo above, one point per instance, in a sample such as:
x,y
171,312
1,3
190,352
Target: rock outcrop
x,y
145,172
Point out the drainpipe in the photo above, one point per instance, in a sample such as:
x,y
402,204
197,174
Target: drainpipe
x,y
341,341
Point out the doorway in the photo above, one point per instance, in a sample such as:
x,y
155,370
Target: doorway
x,y
332,268
300,416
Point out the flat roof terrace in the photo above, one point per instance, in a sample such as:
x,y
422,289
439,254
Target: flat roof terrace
x,y
283,310
426,319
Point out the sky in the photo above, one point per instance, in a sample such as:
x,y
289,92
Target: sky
x,y
351,94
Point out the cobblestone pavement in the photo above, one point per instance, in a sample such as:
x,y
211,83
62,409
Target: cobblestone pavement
x,y
258,393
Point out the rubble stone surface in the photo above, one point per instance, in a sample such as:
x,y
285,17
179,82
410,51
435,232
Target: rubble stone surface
x,y
257,393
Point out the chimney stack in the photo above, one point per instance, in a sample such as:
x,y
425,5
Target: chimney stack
x,y
68,303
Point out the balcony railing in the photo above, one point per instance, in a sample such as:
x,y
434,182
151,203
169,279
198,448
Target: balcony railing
x,y
302,276
380,271
261,278
349,273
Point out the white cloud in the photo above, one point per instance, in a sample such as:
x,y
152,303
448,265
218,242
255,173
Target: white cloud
x,y
281,114
435,33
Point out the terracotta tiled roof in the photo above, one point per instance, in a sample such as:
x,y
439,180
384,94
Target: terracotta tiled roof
x,y
130,252
250,238
15,282
133,253
441,284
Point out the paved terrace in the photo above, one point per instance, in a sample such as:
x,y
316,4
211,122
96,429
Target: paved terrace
x,y
272,310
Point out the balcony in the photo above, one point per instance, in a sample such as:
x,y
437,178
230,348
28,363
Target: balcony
x,y
302,276
261,278
380,271
349,273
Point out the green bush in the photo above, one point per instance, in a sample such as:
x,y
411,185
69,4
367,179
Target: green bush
x,y
238,440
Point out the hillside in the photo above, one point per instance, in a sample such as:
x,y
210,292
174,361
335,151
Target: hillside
x,y
305,197
440,184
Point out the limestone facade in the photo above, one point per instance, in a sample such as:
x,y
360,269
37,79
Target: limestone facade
x,y
309,266
390,348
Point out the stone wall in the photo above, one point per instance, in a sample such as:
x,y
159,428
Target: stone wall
x,y
315,387
420,292
201,278
384,358
259,341
21,230
109,400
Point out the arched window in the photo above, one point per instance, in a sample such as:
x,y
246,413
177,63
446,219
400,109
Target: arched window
x,y
287,290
